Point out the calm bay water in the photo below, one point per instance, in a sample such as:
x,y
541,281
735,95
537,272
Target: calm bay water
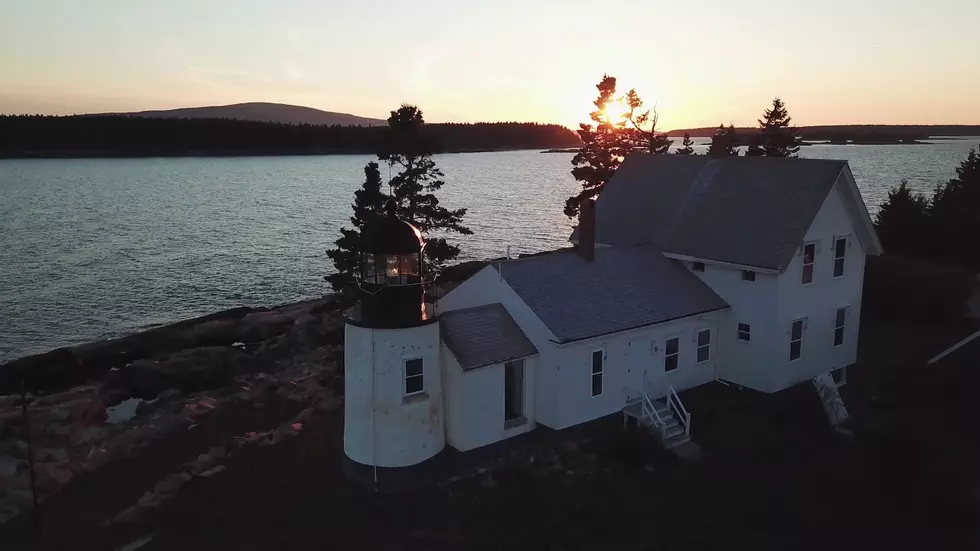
x,y
97,248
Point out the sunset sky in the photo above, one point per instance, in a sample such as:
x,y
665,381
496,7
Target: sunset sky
x,y
700,62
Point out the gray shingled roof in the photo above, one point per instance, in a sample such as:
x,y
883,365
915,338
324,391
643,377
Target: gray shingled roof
x,y
623,288
484,335
744,210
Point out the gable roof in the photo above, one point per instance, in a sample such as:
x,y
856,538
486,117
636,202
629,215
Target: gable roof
x,y
623,288
484,335
752,211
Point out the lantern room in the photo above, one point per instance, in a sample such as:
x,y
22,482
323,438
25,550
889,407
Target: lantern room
x,y
390,278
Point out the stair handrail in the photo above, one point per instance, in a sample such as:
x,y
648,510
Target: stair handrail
x,y
674,402
648,410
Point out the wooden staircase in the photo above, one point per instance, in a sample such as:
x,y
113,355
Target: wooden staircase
x,y
667,419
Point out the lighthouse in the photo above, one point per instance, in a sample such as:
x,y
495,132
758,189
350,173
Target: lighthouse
x,y
393,405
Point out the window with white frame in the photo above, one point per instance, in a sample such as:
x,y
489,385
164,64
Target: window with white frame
x,y
414,384
840,251
513,390
796,339
809,253
744,332
597,358
748,275
672,352
839,326
704,345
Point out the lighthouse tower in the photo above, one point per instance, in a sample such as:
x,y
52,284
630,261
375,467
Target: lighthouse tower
x,y
393,407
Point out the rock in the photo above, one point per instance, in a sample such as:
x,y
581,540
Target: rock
x,y
172,484
16,482
88,435
129,514
152,499
53,475
212,471
145,408
51,454
569,446
123,411
9,466
18,498
304,416
570,472
168,394
88,412
489,482
218,452
189,370
648,468
328,403
7,512
55,429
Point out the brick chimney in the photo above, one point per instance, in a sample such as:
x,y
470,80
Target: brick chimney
x,y
586,230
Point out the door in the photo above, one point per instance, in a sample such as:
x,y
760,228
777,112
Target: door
x,y
636,370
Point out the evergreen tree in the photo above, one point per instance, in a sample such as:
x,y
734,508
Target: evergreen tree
x,y
778,138
903,223
610,139
755,149
955,208
724,143
408,148
688,146
346,257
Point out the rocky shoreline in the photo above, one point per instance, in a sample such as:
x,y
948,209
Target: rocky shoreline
x,y
90,404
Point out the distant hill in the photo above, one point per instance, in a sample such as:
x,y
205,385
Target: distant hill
x,y
261,112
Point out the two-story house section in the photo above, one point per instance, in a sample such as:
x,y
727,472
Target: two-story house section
x,y
782,241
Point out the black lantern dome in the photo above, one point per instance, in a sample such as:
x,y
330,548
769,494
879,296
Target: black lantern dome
x,y
390,279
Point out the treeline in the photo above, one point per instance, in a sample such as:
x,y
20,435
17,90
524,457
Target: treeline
x,y
127,136
862,134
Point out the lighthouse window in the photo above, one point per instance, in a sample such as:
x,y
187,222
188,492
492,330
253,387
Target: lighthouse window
x,y
410,264
413,377
391,269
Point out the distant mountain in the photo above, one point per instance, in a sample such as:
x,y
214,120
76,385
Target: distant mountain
x,y
261,112
856,132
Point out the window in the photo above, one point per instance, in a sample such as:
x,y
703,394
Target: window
x,y
704,345
597,372
839,326
809,251
744,332
671,354
697,266
513,390
413,377
748,275
796,340
840,249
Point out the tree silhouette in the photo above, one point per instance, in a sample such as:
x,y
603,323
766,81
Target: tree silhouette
x,y
724,142
902,222
688,146
408,147
610,139
346,256
955,214
778,138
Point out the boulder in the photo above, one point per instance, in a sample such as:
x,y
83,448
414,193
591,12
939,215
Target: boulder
x,y
51,454
9,466
7,512
190,370
54,475
88,412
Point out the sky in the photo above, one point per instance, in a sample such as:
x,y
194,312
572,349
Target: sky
x,y
699,62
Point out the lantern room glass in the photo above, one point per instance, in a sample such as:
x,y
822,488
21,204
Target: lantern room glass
x,y
390,269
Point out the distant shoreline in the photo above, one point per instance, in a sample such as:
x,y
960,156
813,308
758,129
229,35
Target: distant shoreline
x,y
227,153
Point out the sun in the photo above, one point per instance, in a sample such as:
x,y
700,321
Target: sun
x,y
615,111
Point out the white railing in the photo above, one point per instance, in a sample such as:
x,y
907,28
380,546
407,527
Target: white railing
x,y
674,403
650,412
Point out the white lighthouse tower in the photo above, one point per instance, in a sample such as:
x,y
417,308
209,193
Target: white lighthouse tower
x,y
393,406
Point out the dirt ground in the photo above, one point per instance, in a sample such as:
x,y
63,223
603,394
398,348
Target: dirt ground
x,y
772,476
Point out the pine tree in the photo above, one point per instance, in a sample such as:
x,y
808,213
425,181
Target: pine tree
x,y
955,208
346,257
688,146
755,149
409,148
610,139
724,143
903,222
778,138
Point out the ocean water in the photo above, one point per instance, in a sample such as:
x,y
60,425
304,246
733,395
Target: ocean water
x,y
98,248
